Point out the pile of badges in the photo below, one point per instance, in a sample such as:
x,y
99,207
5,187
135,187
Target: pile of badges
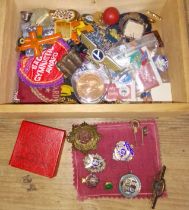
x,y
103,57
117,160
85,138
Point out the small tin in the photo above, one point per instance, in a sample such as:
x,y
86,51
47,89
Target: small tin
x,y
129,186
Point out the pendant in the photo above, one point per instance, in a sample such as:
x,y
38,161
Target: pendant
x,y
84,137
129,185
94,163
91,180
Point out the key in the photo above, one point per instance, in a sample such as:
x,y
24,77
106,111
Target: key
x,y
158,187
154,201
135,126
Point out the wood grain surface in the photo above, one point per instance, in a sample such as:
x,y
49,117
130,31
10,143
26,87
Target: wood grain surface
x,y
59,193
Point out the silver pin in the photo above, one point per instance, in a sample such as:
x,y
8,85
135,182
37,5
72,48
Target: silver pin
x,y
144,133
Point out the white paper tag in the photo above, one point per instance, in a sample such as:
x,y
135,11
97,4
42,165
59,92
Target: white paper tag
x,y
133,29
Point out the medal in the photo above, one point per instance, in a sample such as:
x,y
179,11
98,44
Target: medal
x,y
91,180
123,151
84,137
94,163
129,185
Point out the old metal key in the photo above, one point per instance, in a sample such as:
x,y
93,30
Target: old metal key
x,y
158,187
135,124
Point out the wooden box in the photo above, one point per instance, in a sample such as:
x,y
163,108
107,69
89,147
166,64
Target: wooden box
x,y
173,29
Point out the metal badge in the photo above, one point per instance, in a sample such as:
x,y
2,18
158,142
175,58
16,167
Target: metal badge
x,y
84,137
25,16
91,180
129,186
123,151
94,163
106,60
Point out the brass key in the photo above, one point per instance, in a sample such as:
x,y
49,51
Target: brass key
x,y
135,124
158,187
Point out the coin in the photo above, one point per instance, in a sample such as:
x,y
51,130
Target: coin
x,y
129,186
90,87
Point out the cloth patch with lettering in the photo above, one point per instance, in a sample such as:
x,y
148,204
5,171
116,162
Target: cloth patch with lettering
x,y
42,71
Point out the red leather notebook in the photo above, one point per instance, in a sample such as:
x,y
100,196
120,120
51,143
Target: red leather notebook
x,y
145,164
38,149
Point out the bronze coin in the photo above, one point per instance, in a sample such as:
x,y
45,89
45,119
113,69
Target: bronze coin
x,y
90,87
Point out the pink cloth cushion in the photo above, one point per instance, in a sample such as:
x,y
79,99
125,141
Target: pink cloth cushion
x,y
145,164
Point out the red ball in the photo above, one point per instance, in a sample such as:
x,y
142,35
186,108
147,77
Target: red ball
x,y
110,16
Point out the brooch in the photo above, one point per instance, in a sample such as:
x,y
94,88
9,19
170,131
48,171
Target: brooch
x,y
91,180
123,151
129,185
84,137
94,163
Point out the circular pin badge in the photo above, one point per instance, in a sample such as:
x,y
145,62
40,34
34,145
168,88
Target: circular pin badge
x,y
123,151
129,185
91,180
94,163
98,55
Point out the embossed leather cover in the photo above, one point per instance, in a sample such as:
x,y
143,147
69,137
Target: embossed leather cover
x,y
146,163
38,149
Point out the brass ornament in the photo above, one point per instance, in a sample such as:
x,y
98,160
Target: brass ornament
x,y
84,137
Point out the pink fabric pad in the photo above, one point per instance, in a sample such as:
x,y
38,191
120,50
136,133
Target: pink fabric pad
x,y
145,164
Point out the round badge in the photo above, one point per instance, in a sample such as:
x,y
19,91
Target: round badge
x,y
94,163
123,151
129,185
97,55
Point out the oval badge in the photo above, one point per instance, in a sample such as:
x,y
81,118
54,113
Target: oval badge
x,y
97,55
